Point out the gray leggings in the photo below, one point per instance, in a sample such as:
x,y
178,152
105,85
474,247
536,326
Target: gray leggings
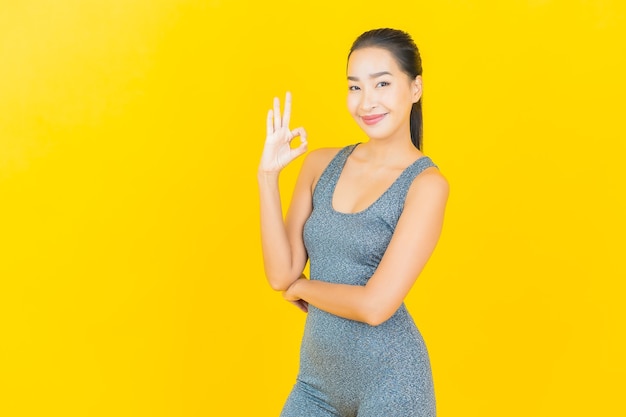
x,y
306,401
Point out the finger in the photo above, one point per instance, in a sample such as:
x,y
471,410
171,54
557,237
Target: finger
x,y
295,303
300,150
299,131
270,126
288,137
277,122
287,112
303,305
303,146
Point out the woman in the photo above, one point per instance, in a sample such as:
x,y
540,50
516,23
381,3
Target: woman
x,y
368,216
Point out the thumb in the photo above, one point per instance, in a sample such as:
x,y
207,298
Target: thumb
x,y
303,142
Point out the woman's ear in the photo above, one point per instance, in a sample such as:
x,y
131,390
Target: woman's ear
x,y
416,88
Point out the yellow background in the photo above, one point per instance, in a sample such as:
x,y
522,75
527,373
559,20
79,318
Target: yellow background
x,y
131,281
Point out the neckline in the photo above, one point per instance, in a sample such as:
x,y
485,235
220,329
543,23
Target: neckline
x,y
380,197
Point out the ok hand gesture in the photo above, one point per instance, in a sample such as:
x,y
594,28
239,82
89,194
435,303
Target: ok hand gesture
x,y
277,152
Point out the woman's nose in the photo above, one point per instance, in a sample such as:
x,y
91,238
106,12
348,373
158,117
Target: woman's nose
x,y
368,100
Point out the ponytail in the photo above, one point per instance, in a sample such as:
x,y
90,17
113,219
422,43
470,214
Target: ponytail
x,y
417,125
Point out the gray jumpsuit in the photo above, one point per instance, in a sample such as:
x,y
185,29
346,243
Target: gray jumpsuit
x,y
349,368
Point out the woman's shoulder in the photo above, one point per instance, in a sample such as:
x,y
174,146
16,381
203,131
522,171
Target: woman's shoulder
x,y
317,160
315,164
430,181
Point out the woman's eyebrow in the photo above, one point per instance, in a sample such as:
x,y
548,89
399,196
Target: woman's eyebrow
x,y
374,75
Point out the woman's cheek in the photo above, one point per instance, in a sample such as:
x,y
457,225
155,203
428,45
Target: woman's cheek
x,y
353,104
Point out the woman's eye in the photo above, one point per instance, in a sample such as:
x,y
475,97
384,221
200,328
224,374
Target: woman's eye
x,y
382,84
353,88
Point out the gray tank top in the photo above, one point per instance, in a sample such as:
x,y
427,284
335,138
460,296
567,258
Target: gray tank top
x,y
347,247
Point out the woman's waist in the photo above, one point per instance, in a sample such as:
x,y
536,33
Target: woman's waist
x,y
333,342
326,329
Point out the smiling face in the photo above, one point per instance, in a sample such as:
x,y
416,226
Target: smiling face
x,y
380,94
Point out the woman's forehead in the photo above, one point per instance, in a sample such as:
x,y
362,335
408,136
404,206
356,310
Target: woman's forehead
x,y
371,61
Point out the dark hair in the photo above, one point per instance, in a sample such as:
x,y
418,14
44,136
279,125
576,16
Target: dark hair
x,y
403,48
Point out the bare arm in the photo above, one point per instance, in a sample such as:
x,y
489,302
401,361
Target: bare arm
x,y
414,240
284,254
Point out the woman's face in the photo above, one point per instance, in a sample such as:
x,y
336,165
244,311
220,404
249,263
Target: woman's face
x,y
380,94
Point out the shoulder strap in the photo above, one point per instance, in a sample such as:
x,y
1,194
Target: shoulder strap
x,y
403,183
330,175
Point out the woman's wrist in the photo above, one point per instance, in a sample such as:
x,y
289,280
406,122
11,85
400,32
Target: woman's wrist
x,y
268,178
267,175
295,287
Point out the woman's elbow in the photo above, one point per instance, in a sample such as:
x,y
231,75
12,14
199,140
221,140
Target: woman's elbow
x,y
377,319
375,316
280,283
374,308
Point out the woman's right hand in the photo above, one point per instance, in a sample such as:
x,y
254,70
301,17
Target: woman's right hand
x,y
277,152
298,302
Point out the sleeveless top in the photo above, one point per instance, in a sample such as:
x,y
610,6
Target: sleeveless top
x,y
347,247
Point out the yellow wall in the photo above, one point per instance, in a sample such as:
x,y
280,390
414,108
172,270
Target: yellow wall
x,y
131,280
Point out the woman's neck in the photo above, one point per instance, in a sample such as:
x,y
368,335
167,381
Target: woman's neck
x,y
390,151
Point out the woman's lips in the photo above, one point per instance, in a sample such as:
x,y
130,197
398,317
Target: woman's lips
x,y
373,119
